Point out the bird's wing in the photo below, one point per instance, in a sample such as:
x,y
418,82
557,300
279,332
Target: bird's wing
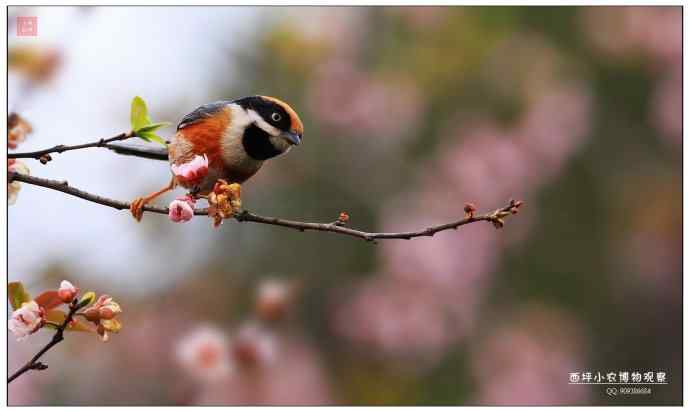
x,y
201,113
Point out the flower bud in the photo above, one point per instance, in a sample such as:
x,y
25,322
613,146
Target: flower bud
x,y
204,353
92,314
273,299
181,209
67,291
253,346
109,310
469,210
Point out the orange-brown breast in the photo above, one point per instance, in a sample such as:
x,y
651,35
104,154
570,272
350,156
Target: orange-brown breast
x,y
205,136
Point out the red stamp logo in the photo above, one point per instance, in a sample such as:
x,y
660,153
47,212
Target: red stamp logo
x,y
27,25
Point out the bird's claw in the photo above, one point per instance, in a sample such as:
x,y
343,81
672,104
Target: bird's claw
x,y
137,208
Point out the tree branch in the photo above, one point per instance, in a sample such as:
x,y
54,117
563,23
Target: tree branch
x,y
34,364
496,217
41,154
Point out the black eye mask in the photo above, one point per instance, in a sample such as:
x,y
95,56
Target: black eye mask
x,y
266,109
257,143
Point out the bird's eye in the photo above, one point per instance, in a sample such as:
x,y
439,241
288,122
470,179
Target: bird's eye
x,y
276,117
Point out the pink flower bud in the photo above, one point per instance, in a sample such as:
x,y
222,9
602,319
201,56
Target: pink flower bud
x,y
193,171
92,314
273,299
204,353
67,291
181,209
26,320
109,310
253,345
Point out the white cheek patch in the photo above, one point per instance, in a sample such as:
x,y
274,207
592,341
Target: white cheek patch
x,y
262,123
239,120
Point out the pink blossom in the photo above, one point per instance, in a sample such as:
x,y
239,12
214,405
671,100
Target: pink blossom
x,y
254,345
14,187
394,319
297,377
623,32
273,298
347,98
107,307
527,357
67,291
193,171
26,320
181,209
204,353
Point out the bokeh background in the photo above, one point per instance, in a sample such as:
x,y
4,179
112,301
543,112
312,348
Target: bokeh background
x,y
409,113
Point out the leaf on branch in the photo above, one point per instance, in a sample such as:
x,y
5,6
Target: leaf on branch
x,y
153,127
140,114
58,317
49,299
87,299
142,125
17,295
151,137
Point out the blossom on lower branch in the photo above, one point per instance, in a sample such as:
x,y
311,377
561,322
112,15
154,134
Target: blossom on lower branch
x,y
103,314
14,187
88,314
181,209
26,320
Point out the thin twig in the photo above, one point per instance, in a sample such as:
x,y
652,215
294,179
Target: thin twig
x,y
496,217
63,148
34,364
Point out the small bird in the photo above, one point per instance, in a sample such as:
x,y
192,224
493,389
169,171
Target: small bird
x,y
234,136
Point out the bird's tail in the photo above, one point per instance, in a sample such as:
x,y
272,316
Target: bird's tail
x,y
147,152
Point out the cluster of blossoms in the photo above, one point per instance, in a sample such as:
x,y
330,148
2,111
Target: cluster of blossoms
x,y
17,130
208,353
446,278
86,313
224,200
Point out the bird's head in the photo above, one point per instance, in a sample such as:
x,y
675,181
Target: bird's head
x,y
275,127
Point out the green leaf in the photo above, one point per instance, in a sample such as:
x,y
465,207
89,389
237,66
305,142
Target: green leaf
x,y
87,299
153,127
151,137
139,116
17,295
142,125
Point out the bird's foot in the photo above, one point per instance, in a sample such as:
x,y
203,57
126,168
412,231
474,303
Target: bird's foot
x,y
137,205
137,208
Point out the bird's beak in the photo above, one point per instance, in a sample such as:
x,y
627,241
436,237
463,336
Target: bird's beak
x,y
292,138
